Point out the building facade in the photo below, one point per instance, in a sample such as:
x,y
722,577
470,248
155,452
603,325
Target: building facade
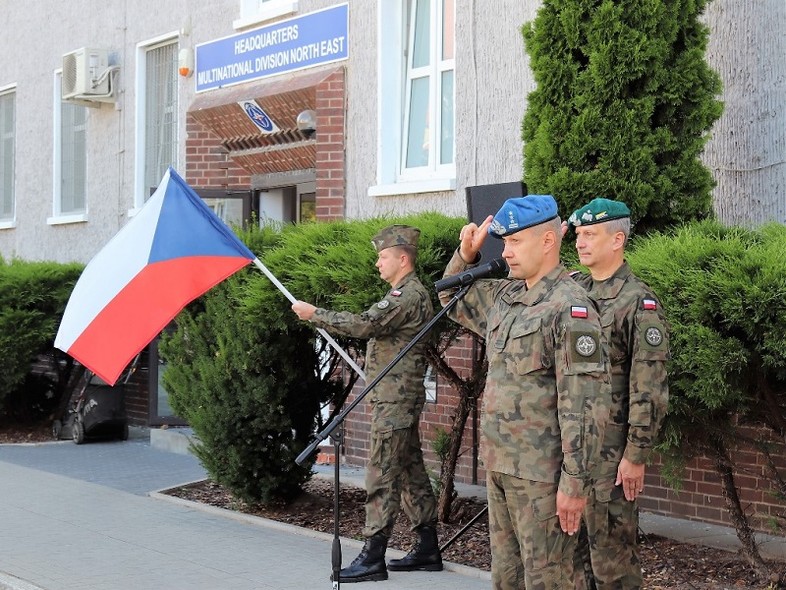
x,y
288,110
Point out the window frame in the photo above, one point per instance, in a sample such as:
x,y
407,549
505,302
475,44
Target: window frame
x,y
393,33
58,216
253,12
10,221
141,191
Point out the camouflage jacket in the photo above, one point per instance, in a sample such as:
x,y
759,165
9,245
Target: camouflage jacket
x,y
389,325
547,392
636,332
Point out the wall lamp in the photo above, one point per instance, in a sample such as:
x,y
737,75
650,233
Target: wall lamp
x,y
307,123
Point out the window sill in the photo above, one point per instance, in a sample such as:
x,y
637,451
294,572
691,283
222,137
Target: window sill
x,y
276,9
436,185
8,224
65,219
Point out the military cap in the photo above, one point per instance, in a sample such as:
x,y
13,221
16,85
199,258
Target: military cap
x,y
396,235
518,213
598,211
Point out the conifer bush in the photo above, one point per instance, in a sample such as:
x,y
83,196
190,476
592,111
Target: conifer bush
x,y
623,105
723,291
33,296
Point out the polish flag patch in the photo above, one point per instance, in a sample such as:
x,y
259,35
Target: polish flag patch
x,y
578,311
650,304
396,293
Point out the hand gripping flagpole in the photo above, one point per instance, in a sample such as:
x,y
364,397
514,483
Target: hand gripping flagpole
x,y
322,332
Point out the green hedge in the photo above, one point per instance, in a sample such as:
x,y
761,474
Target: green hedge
x,y
723,290
33,296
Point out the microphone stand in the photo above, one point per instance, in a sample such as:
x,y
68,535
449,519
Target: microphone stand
x,y
339,420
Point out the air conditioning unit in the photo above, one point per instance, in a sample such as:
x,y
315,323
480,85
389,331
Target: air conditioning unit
x,y
87,75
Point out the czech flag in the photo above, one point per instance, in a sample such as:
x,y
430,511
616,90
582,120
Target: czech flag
x,y
170,253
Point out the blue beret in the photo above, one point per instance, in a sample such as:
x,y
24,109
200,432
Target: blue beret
x,y
519,213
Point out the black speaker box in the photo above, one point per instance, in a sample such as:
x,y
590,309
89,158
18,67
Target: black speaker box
x,y
486,200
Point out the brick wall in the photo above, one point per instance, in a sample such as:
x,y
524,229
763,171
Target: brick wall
x,y
330,160
208,164
701,497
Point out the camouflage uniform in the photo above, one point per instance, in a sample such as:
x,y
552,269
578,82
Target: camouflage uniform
x,y
544,410
395,472
636,333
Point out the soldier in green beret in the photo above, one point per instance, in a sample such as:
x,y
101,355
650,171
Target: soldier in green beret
x,y
395,475
547,393
635,330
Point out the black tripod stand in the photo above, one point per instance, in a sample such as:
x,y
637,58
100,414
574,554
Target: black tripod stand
x,y
339,420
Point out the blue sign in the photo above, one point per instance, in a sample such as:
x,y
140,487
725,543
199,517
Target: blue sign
x,y
310,40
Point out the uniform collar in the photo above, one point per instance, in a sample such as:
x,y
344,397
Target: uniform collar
x,y
543,286
611,287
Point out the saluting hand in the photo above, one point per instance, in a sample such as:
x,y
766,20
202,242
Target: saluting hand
x,y
472,237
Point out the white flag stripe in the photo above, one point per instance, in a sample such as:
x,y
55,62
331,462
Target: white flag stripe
x,y
126,254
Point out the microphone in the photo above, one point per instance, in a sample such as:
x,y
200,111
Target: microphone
x,y
470,276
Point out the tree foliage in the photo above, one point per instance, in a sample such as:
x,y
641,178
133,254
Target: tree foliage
x,y
622,108
723,291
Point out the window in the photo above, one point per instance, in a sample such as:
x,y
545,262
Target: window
x,y
157,115
416,147
256,11
7,156
70,159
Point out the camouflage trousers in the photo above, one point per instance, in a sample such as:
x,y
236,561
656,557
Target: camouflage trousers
x,y
607,557
396,478
528,548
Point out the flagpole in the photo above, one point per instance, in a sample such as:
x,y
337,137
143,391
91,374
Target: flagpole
x,y
322,332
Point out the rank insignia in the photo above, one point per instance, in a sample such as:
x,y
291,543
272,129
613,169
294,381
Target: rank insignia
x,y
383,304
578,311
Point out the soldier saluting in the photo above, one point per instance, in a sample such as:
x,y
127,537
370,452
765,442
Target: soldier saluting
x,y
547,393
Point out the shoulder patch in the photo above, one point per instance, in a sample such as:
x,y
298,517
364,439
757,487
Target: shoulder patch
x,y
649,304
578,311
395,293
383,304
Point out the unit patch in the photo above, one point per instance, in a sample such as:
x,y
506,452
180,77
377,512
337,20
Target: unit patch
x,y
383,304
653,336
586,345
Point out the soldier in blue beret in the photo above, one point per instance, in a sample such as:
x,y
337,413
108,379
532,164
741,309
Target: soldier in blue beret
x,y
547,392
395,474
636,333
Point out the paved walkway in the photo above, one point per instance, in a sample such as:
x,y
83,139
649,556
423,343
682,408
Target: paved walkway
x,y
81,517
88,517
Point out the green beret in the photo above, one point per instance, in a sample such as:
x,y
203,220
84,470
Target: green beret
x,y
598,211
396,235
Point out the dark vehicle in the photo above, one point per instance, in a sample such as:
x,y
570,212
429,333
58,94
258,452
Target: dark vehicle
x,y
97,412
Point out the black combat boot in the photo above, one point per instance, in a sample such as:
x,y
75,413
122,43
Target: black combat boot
x,y
369,565
425,555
